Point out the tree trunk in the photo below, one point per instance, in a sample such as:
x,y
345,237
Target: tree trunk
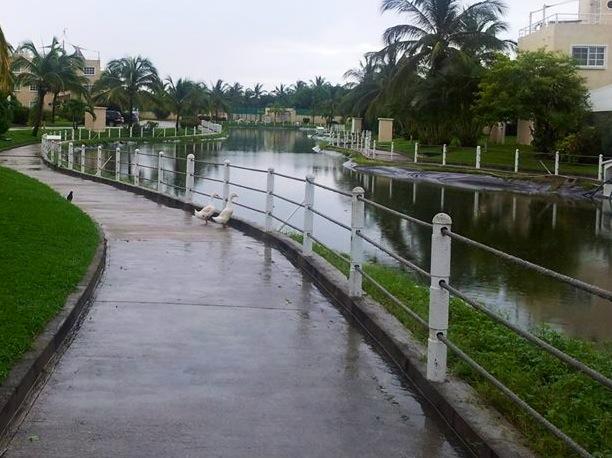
x,y
53,107
39,116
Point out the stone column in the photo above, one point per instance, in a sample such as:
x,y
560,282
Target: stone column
x,y
356,125
99,123
523,134
385,130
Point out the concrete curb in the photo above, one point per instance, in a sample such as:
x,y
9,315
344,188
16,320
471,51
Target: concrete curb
x,y
27,372
484,430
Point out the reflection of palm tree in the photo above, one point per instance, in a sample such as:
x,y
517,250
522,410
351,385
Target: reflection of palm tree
x,y
5,65
127,82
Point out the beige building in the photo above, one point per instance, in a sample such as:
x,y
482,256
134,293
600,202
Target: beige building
x,y
586,36
26,95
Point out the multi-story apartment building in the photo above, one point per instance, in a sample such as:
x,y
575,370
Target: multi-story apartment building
x,y
586,36
26,95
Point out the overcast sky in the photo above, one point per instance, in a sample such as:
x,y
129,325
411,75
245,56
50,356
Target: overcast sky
x,y
267,41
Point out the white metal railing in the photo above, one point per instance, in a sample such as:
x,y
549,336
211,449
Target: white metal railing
x,y
439,274
561,18
212,127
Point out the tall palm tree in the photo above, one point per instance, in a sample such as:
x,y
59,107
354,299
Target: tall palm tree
x,y
218,98
126,82
71,78
318,86
5,65
440,28
180,96
281,92
40,70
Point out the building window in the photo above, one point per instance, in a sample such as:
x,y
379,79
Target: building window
x,y
33,88
590,56
89,70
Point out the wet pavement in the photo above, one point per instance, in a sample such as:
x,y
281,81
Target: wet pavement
x,y
204,342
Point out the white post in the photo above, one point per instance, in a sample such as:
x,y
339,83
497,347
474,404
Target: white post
x,y
600,168
131,131
416,152
516,160
190,178
153,134
117,164
270,200
72,134
478,154
444,153
136,168
374,149
80,133
160,172
164,132
557,163
99,161
194,131
308,215
141,132
82,158
89,131
438,298
357,224
226,179
70,155
392,148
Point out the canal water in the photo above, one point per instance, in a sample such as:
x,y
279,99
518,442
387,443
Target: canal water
x,y
571,236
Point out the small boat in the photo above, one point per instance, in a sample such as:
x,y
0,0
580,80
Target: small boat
x,y
317,149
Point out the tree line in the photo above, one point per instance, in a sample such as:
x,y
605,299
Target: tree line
x,y
444,74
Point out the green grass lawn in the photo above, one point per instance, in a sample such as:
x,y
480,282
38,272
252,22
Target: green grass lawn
x,y
494,157
573,402
14,138
46,245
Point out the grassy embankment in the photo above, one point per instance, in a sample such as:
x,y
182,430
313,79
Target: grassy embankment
x,y
573,402
499,157
15,138
47,245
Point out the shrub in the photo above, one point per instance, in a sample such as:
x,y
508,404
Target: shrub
x,y
189,121
21,115
585,142
5,115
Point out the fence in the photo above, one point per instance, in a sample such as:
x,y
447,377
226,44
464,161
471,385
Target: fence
x,y
117,133
556,164
441,288
212,127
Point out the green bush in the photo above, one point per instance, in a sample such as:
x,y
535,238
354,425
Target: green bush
x,y
5,115
21,115
189,121
586,142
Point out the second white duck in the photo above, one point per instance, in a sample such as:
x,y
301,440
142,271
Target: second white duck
x,y
208,211
227,213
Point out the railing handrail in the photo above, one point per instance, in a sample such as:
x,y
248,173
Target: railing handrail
x,y
438,275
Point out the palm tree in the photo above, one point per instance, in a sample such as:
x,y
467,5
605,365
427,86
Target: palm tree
x,y
318,86
281,92
5,65
39,70
75,109
71,78
218,98
127,82
441,28
179,96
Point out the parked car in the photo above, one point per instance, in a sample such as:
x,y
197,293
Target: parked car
x,y
135,118
113,118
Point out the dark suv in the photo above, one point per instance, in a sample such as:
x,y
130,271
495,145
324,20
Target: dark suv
x,y
113,118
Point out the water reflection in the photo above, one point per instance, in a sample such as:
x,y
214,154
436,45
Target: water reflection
x,y
572,237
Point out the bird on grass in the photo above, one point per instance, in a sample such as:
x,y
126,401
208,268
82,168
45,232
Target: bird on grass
x,y
208,211
70,196
227,213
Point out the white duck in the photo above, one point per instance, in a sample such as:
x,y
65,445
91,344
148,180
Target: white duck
x,y
227,212
207,212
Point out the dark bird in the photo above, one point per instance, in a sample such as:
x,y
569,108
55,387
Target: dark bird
x,y
70,196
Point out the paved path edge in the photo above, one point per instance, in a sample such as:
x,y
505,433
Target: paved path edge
x,y
33,365
482,428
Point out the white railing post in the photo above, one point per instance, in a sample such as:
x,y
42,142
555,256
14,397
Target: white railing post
x,y
374,149
600,168
444,153
270,200
141,132
357,225
392,148
136,168
194,131
190,178
308,215
82,158
416,152
80,133
160,171
557,163
226,179
164,132
438,298
478,154
517,155
117,164
70,155
72,134
153,133
131,131
89,134
99,162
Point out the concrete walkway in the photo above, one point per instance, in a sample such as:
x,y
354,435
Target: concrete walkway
x,y
204,342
